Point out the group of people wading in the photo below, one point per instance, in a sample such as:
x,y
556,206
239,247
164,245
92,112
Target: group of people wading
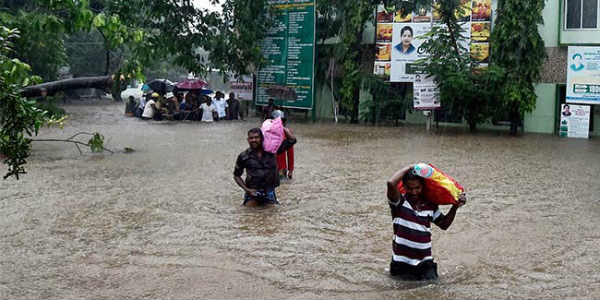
x,y
412,213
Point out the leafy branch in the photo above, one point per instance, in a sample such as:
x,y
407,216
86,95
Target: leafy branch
x,y
95,143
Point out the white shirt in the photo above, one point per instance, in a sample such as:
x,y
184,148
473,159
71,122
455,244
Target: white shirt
x,y
207,112
220,105
148,110
142,103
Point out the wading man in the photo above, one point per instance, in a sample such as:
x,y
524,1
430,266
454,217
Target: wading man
x,y
412,215
261,169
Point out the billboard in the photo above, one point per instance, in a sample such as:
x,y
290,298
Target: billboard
x,y
583,75
289,49
398,44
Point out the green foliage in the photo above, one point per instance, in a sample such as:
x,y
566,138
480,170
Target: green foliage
x,y
518,47
387,102
19,117
96,143
237,47
465,89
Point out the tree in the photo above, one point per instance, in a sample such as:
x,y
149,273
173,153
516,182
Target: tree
x,y
464,88
149,31
518,47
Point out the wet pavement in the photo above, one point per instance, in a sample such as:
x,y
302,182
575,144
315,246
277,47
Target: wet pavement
x,y
166,221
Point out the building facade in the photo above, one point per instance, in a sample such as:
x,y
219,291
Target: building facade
x,y
566,23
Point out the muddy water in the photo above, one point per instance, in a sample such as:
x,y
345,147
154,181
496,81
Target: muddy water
x,y
166,221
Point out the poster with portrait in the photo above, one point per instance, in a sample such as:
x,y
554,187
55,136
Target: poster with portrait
x,y
575,121
396,58
583,75
405,49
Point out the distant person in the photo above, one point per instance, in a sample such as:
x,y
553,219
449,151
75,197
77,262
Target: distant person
x,y
285,159
172,106
207,110
566,111
220,105
140,109
151,110
268,110
261,169
233,105
412,216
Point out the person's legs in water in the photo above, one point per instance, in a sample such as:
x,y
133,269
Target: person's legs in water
x,y
426,270
264,198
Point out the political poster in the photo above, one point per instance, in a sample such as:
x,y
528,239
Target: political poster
x,y
575,121
398,42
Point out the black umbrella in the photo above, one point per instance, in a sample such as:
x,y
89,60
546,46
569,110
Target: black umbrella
x,y
161,86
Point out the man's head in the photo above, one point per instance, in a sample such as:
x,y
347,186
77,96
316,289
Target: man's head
x,y
255,138
232,95
219,95
43,92
271,101
413,184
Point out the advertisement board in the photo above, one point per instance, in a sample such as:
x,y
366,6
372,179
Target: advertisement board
x,y
289,49
575,121
398,41
583,75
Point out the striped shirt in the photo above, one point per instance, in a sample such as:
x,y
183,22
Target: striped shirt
x,y
412,231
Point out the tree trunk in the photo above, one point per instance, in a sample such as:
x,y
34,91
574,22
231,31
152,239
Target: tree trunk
x,y
472,126
515,121
97,82
355,105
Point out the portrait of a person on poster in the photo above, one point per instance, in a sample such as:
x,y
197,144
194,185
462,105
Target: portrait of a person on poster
x,y
405,46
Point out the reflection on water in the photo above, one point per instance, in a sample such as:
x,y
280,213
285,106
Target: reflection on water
x,y
167,221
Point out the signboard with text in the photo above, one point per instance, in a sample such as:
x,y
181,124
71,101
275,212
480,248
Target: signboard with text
x,y
583,75
289,49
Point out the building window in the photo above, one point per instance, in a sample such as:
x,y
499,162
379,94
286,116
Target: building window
x,y
581,14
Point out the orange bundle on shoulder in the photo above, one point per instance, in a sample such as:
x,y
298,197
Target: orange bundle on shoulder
x,y
440,188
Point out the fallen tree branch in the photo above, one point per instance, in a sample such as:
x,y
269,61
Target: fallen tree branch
x,y
75,142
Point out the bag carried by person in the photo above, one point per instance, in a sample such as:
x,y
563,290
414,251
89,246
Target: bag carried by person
x,y
439,187
272,130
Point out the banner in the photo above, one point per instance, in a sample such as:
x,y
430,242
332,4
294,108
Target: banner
x,y
289,49
243,88
583,75
575,121
398,44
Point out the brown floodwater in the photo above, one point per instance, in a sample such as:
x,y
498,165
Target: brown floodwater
x,y
166,221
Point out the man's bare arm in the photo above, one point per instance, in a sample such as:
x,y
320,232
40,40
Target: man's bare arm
x,y
392,191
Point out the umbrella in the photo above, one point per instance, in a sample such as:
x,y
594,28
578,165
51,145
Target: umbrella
x,y
161,86
145,88
192,84
206,92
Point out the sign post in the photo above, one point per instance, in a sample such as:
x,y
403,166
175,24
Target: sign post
x,y
583,75
289,49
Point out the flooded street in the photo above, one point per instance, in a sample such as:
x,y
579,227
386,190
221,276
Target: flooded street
x,y
166,221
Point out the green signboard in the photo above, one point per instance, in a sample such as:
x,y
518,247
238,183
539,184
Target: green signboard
x,y
289,49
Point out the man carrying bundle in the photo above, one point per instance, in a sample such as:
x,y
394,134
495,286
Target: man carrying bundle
x,y
413,213
261,169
